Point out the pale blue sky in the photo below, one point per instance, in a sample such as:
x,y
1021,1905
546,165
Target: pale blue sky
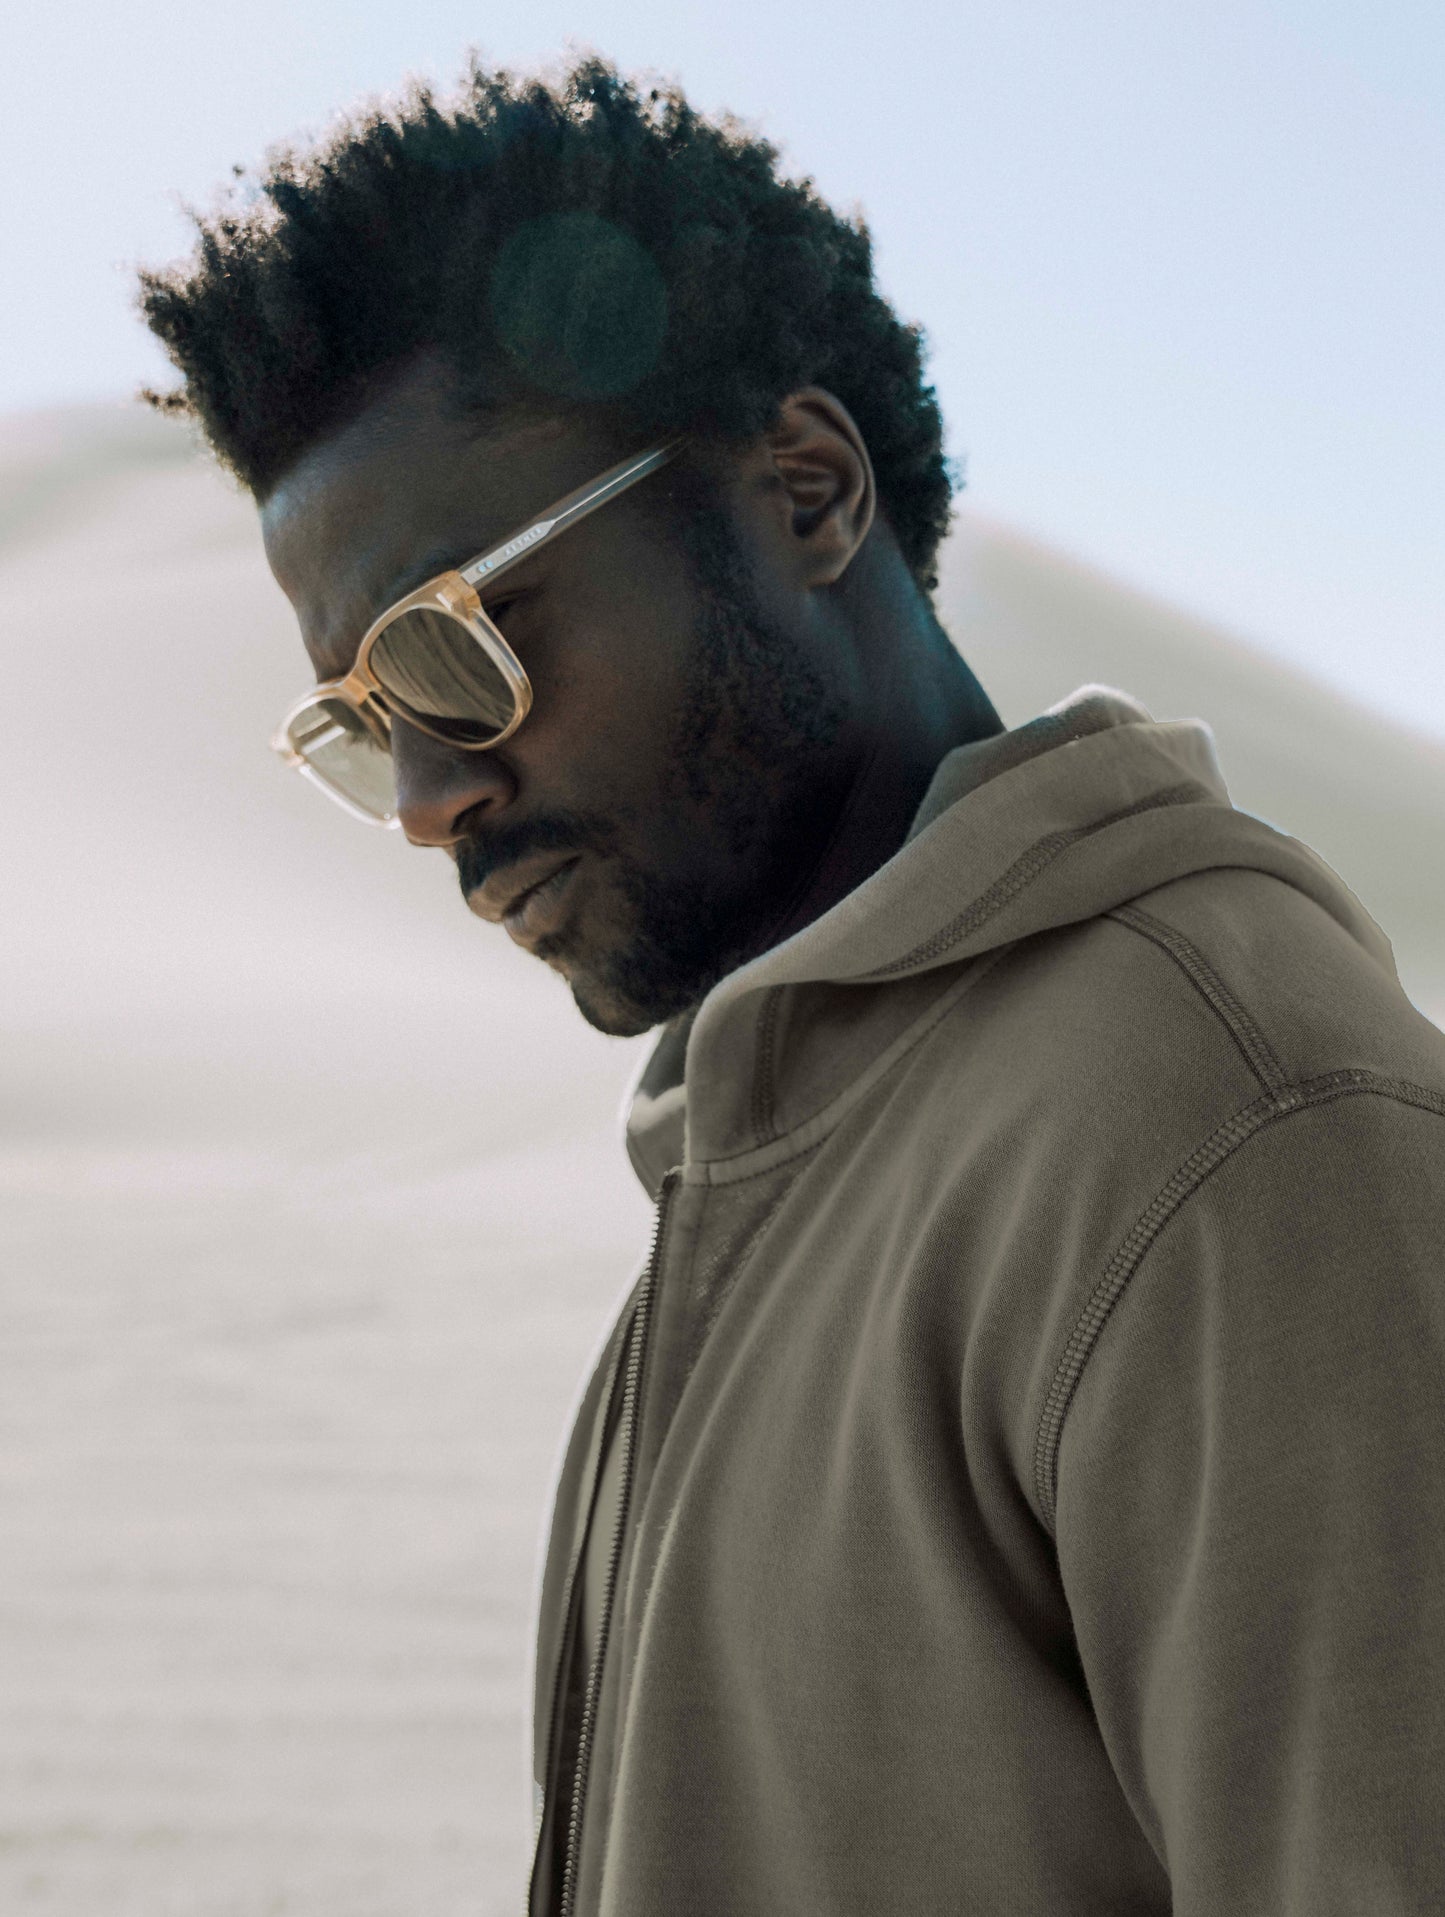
x,y
1182,263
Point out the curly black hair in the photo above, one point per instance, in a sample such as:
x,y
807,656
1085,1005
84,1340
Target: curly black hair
x,y
584,241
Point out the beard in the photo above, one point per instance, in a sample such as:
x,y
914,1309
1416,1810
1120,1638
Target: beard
x,y
752,768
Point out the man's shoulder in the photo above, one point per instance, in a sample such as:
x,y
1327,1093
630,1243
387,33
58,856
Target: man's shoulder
x,y
1131,1037
1283,980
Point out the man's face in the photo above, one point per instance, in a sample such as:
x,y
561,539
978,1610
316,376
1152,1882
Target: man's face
x,y
656,817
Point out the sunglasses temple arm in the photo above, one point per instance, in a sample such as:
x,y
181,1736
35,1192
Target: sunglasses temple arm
x,y
569,510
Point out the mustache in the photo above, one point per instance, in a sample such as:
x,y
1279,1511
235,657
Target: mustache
x,y
479,855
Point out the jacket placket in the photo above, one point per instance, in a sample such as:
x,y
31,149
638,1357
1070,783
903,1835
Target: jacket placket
x,y
553,1891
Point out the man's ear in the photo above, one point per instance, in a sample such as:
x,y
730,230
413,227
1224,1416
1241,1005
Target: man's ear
x,y
827,483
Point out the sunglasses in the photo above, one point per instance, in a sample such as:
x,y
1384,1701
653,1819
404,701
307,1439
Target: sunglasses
x,y
437,661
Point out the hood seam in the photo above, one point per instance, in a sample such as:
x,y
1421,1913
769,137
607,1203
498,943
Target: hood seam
x,y
764,1089
812,1131
1022,873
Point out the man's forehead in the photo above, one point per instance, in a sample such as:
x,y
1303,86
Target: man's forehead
x,y
409,479
408,460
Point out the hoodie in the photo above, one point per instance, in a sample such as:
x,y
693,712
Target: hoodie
x,y
1016,1481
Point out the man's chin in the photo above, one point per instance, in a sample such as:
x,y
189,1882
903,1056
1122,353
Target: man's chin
x,y
605,1008
623,1006
607,1015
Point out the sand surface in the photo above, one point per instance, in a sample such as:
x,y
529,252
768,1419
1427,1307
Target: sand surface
x,y
313,1206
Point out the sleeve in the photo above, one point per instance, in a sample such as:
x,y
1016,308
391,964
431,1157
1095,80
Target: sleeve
x,y
1250,1522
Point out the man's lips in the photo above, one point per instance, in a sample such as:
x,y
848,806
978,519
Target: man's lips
x,y
524,896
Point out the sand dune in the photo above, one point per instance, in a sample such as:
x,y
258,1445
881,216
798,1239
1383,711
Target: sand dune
x,y
313,1205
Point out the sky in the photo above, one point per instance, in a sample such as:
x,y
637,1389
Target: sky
x,y
1181,266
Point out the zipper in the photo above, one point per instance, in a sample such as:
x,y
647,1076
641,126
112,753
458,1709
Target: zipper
x,y
627,1435
572,1594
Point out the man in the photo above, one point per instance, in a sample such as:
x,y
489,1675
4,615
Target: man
x,y
1016,1482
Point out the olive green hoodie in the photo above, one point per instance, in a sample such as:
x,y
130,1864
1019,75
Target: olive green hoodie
x,y
1027,1432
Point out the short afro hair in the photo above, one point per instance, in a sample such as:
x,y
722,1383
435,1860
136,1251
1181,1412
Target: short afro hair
x,y
584,243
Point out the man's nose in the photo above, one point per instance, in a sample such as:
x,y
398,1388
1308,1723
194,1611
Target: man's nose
x,y
438,784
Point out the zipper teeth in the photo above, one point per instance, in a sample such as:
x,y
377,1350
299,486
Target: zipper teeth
x,y
570,1595
594,1676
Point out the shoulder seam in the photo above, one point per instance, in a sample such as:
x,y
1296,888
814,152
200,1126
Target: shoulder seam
x,y
1201,1163
1251,1041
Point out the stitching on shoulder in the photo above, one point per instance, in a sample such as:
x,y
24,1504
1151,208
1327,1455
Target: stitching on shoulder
x,y
1258,1054
1024,870
1185,1181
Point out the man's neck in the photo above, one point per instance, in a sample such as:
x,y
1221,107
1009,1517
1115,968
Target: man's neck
x,y
932,704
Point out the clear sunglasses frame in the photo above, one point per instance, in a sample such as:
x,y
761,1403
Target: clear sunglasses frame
x,y
454,594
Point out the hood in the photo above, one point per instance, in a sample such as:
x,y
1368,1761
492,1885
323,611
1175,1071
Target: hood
x,y
1089,805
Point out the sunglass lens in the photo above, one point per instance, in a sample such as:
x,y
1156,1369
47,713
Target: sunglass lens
x,y
343,752
433,665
